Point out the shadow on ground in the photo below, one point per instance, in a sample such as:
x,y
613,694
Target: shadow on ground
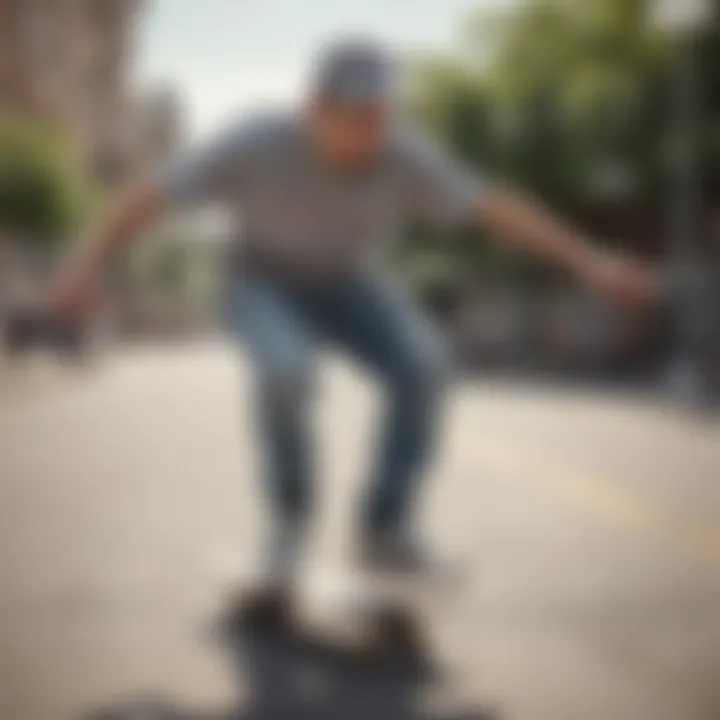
x,y
283,680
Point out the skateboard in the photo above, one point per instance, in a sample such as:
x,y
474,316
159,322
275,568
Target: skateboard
x,y
359,619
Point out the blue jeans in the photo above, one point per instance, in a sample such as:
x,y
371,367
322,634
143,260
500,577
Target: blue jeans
x,y
282,326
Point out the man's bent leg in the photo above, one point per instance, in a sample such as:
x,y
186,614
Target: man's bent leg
x,y
407,439
279,344
383,328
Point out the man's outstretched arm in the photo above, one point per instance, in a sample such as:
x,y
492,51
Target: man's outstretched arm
x,y
444,191
76,285
198,176
525,224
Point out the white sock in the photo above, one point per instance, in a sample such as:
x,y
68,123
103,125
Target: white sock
x,y
283,553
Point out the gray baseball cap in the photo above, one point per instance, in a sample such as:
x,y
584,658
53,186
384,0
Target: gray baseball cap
x,y
357,72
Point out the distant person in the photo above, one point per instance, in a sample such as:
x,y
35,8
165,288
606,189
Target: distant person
x,y
321,190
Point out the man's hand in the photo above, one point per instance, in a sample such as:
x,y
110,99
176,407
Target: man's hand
x,y
621,278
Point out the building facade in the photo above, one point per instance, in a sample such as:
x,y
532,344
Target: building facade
x,y
67,62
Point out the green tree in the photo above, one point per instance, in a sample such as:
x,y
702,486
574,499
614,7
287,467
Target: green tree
x,y
573,101
582,88
43,196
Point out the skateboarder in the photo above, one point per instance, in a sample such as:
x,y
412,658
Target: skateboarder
x,y
318,192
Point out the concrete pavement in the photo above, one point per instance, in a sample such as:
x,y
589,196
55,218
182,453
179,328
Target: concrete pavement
x,y
590,525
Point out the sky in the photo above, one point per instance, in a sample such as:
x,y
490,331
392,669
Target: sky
x,y
226,56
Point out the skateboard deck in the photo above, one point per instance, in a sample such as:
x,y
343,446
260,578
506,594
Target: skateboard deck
x,y
356,618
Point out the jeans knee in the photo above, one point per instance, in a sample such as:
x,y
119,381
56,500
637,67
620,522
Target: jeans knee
x,y
425,373
285,388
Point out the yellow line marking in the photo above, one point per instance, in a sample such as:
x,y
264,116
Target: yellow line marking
x,y
605,498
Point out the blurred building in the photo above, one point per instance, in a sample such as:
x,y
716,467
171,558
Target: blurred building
x,y
67,62
154,127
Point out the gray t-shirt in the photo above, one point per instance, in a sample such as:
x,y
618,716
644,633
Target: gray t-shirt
x,y
292,210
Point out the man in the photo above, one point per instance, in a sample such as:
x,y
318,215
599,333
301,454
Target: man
x,y
320,191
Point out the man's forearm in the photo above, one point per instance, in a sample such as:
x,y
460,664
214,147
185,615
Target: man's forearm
x,y
119,227
524,224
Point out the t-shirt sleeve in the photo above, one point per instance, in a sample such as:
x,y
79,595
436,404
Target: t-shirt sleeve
x,y
437,189
215,170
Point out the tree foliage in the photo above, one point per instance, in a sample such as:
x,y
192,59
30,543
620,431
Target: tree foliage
x,y
575,101
42,194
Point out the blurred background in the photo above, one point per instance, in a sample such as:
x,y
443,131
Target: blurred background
x,y
591,503
608,110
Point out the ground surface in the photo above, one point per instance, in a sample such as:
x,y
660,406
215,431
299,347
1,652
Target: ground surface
x,y
591,526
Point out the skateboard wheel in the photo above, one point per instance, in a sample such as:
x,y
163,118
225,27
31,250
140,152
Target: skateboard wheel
x,y
264,611
399,632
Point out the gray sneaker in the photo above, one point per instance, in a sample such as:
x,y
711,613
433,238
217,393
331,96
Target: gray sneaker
x,y
397,553
282,556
